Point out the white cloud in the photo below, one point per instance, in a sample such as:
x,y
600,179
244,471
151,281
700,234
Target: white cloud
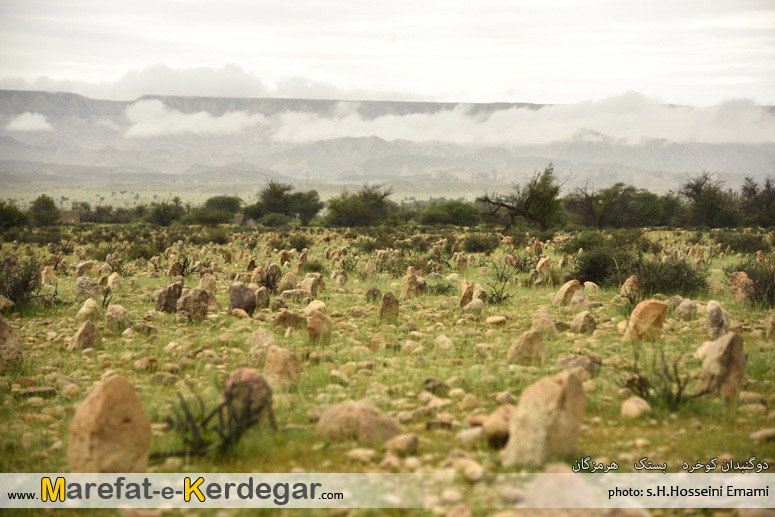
x,y
29,122
152,118
631,116
227,81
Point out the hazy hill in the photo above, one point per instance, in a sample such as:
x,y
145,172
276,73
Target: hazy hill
x,y
88,141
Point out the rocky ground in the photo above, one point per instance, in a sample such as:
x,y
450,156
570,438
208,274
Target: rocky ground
x,y
385,360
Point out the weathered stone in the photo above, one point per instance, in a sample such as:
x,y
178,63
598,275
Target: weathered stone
x,y
547,420
528,349
724,366
403,444
290,319
242,297
686,310
89,311
373,295
282,366
544,266
320,327
543,323
10,350
117,318
474,307
740,285
262,298
167,301
630,288
566,292
496,425
356,420
583,323
86,287
388,308
718,321
109,431
87,336
646,321
635,407
194,304
467,293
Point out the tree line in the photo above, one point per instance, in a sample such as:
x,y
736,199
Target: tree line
x,y
701,201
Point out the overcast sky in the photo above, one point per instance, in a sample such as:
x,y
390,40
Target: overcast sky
x,y
555,51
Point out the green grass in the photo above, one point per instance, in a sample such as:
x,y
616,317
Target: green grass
x,y
33,433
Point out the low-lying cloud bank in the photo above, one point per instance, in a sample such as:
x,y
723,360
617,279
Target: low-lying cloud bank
x,y
153,118
227,81
29,122
631,116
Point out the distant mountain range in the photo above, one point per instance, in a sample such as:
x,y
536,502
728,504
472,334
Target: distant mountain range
x,y
87,144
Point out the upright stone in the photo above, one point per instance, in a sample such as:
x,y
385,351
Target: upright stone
x,y
109,431
547,420
724,366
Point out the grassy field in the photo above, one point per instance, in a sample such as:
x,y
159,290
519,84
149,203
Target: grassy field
x,y
385,363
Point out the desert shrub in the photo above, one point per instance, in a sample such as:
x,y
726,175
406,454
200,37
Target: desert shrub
x,y
214,235
584,240
670,276
763,277
209,216
10,215
454,212
524,263
605,265
299,241
480,242
314,266
270,278
19,279
164,214
43,211
633,238
39,236
213,431
543,235
275,220
741,242
660,379
499,285
440,288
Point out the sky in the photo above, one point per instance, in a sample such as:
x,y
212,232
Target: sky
x,y
699,53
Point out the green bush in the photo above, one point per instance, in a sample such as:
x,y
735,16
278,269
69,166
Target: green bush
x,y
275,220
19,279
480,242
209,216
605,265
763,277
299,241
585,241
742,242
671,276
454,212
43,211
11,216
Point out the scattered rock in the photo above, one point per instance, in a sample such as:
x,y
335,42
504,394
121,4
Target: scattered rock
x,y
356,420
547,420
528,349
635,407
724,366
109,431
646,321
87,336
